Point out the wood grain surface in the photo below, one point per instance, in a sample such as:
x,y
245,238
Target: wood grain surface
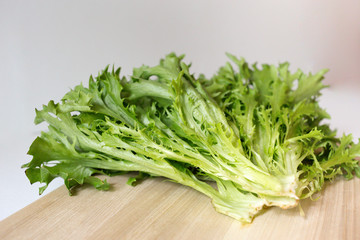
x,y
158,209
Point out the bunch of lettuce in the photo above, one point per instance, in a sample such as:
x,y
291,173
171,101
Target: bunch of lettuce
x,y
247,138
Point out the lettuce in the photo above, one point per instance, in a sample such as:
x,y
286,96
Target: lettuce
x,y
247,138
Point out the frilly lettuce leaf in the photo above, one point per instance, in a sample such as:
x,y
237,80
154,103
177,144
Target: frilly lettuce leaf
x,y
256,133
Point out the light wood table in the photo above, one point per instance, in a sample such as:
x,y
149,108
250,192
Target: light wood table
x,y
158,209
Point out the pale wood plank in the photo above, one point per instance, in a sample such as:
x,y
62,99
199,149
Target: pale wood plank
x,y
158,209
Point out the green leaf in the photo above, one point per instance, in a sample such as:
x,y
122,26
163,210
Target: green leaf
x,y
256,132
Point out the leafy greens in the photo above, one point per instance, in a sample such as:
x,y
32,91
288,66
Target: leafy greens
x,y
256,133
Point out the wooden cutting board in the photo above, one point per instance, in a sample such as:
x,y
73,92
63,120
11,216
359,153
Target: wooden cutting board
x,y
158,209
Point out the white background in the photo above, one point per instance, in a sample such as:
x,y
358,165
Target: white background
x,y
47,47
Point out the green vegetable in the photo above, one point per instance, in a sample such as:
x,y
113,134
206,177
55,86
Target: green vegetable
x,y
255,133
